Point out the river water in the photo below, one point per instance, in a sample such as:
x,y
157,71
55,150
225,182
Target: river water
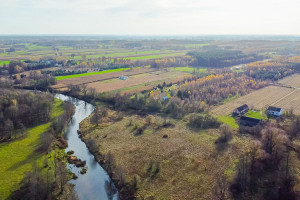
x,y
95,184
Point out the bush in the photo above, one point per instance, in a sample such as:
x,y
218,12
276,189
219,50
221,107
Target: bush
x,y
203,121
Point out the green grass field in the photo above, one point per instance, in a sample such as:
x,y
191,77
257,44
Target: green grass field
x,y
258,114
91,73
228,120
4,62
189,69
17,156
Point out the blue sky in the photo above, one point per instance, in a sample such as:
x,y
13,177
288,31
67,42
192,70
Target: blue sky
x,y
150,17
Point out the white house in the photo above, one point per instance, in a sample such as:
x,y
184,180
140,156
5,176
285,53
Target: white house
x,y
274,111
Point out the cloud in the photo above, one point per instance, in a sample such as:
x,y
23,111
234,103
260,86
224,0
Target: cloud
x,y
150,17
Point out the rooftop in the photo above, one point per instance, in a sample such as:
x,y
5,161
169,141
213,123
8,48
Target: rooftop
x,y
272,108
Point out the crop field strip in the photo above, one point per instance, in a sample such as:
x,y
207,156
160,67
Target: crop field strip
x,y
131,82
90,73
100,77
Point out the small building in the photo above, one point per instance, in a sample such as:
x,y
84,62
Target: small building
x,y
123,77
165,97
249,121
240,110
274,111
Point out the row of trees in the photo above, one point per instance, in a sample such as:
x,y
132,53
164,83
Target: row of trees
x,y
222,58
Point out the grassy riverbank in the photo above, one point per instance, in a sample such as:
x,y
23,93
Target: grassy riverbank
x,y
17,156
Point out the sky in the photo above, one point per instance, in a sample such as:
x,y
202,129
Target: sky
x,y
150,17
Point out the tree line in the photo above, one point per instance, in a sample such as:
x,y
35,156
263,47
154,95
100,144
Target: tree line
x,y
20,110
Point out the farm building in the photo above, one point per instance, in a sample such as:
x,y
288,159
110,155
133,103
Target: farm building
x,y
274,111
249,121
123,77
240,110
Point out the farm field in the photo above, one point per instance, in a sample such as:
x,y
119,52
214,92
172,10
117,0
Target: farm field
x,y
189,69
99,77
136,83
258,100
292,101
91,73
35,51
293,81
154,56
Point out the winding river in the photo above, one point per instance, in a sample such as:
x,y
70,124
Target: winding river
x,y
95,184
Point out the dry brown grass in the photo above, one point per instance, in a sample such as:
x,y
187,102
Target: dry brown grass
x,y
189,161
258,99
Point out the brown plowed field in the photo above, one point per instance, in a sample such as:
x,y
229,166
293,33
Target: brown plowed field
x,y
293,81
291,101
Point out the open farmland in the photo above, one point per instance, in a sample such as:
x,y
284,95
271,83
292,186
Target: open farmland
x,y
292,101
293,81
99,77
135,83
259,99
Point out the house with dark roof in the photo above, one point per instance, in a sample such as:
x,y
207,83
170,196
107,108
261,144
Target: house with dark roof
x,y
274,111
240,110
249,121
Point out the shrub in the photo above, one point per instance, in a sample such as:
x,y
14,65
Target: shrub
x,y
203,121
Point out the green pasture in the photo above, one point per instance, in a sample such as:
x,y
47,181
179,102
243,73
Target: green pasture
x,y
91,73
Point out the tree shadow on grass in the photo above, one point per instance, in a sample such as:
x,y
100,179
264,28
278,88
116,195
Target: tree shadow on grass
x,y
29,159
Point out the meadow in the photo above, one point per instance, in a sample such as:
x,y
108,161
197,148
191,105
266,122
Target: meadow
x,y
18,156
4,62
